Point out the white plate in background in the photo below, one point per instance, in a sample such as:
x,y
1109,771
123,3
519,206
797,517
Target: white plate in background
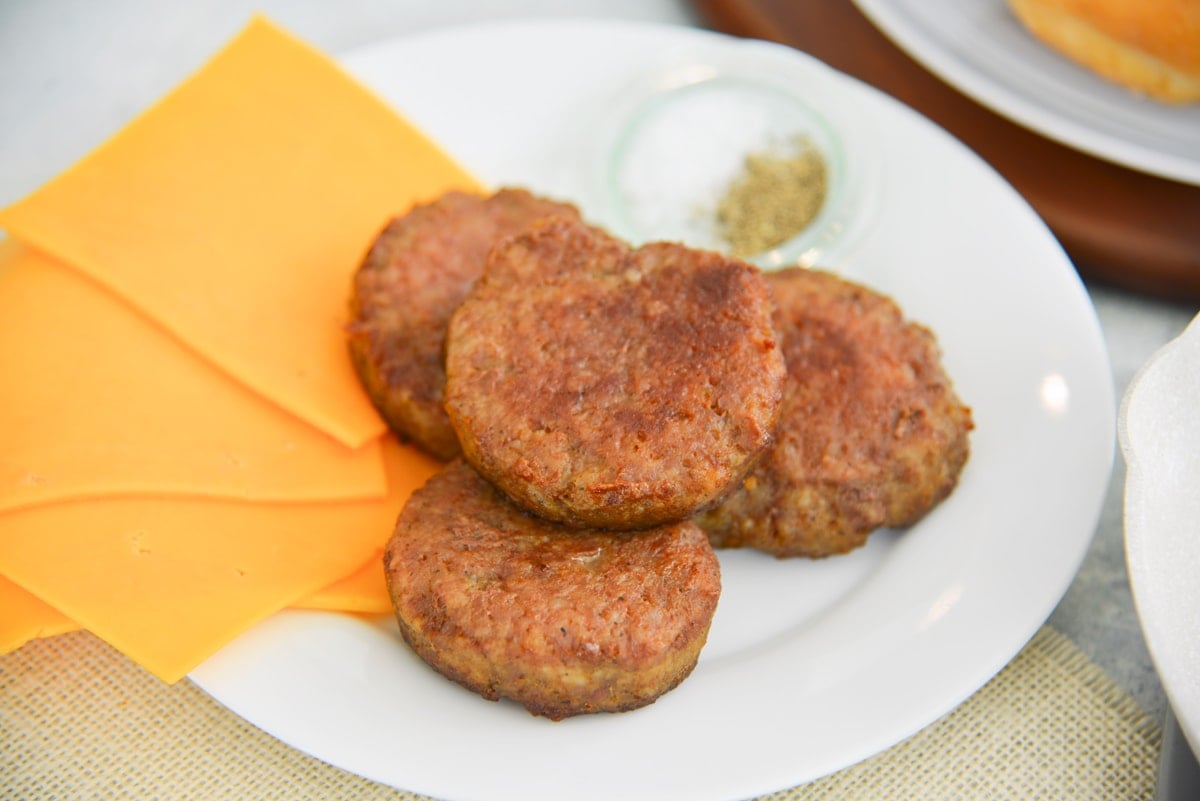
x,y
981,49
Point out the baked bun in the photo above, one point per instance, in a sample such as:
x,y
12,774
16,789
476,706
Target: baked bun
x,y
1149,46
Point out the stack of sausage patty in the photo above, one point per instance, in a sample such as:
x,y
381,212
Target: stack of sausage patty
x,y
610,415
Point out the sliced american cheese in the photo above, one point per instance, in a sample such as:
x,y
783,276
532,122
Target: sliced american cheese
x,y
99,401
170,581
25,617
364,591
235,211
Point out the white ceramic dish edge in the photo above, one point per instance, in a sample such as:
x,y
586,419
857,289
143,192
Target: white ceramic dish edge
x,y
1159,432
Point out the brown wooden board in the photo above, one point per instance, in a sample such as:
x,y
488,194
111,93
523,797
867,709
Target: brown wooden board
x,y
1120,227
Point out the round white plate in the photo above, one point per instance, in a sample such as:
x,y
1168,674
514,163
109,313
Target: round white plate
x,y
810,666
981,49
1160,438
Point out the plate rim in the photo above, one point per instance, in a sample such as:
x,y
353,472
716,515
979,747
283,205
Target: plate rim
x,y
209,676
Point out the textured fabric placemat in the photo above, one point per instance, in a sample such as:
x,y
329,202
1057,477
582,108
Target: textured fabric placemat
x,y
80,721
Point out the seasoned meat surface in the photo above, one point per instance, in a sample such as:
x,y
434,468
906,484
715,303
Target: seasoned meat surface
x,y
564,621
602,386
413,277
872,432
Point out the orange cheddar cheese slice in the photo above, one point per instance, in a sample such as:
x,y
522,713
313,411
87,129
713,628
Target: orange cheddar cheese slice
x,y
169,581
235,211
364,591
99,401
25,617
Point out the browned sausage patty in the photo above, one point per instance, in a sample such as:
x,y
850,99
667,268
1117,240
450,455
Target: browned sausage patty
x,y
564,621
416,273
872,433
614,388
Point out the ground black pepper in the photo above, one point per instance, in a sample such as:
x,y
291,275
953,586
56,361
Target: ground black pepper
x,y
776,196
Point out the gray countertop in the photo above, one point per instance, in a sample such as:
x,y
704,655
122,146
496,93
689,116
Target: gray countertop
x,y
72,72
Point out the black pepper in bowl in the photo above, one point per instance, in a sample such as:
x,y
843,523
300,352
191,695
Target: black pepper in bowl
x,y
776,196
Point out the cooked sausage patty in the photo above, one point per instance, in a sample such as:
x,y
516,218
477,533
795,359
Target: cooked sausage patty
x,y
606,387
416,273
564,621
872,432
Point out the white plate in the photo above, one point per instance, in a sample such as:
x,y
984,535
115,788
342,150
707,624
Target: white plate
x,y
981,49
810,666
1160,438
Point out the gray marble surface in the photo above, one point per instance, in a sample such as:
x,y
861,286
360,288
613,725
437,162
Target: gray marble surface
x,y
72,72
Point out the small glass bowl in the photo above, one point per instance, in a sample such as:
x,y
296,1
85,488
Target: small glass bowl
x,y
672,145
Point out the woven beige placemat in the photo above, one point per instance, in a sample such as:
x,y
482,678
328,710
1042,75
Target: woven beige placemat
x,y
79,721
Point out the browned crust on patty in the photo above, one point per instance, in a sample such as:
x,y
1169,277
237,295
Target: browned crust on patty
x,y
416,273
872,433
608,387
563,621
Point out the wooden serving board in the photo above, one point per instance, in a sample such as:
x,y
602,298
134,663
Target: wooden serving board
x,y
1121,227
